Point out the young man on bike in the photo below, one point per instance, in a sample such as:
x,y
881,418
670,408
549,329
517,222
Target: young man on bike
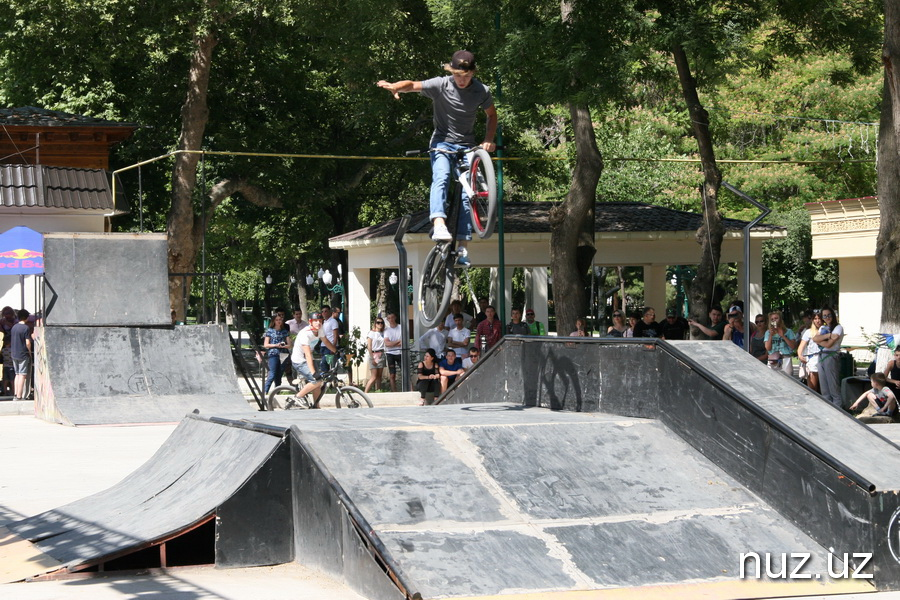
x,y
456,99
302,357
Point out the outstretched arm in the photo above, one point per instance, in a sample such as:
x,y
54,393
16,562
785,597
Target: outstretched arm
x,y
402,87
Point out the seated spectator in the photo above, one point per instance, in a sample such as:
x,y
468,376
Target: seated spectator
x,y
428,380
674,327
618,327
579,328
450,367
734,330
892,371
716,328
780,344
880,397
435,338
458,337
633,320
647,327
517,326
472,358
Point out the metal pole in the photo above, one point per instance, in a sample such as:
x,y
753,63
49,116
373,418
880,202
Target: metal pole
x,y
203,252
404,301
765,211
501,250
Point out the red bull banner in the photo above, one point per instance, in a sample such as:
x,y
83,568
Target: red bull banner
x,y
21,252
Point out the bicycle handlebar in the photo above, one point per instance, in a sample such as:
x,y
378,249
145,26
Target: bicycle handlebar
x,y
445,151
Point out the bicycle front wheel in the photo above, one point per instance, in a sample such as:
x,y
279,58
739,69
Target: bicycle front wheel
x,y
283,397
351,397
435,287
484,189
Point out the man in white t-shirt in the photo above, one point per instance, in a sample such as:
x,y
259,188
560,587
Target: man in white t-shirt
x,y
330,327
458,337
302,357
393,347
471,359
435,338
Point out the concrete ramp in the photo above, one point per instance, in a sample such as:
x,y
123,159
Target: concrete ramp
x,y
115,375
198,473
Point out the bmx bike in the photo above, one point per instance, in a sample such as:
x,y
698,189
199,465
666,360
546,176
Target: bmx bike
x,y
284,397
476,179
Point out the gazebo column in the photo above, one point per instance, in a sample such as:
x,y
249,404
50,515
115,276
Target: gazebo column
x,y
357,303
536,293
655,289
755,307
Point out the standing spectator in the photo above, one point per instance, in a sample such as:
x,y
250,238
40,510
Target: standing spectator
x,y
20,349
375,348
393,346
780,344
734,330
806,318
435,338
330,329
517,326
808,353
633,320
297,323
829,341
7,320
337,315
647,327
579,328
674,327
428,380
892,371
275,341
458,337
716,328
490,330
470,360
482,304
456,308
758,341
450,367
618,327
534,327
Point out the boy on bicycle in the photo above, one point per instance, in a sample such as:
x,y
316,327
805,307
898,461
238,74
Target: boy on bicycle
x,y
456,99
302,358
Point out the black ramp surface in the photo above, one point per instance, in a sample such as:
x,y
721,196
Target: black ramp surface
x,y
104,375
107,278
475,500
197,469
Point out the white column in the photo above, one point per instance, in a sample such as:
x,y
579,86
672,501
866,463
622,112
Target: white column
x,y
756,281
539,294
507,295
655,288
494,287
358,302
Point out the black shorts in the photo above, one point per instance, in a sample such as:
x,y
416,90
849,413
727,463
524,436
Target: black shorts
x,y
393,362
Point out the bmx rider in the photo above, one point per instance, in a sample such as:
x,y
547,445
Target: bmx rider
x,y
456,99
302,358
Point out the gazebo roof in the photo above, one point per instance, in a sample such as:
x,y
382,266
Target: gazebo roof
x,y
32,116
33,187
534,217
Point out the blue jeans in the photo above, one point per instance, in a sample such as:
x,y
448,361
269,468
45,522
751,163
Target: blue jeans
x,y
275,371
441,171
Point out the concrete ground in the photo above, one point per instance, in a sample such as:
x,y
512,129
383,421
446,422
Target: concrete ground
x,y
45,465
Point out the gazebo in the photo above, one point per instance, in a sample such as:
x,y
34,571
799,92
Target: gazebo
x,y
626,233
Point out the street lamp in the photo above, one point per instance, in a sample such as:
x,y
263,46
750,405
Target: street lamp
x,y
337,289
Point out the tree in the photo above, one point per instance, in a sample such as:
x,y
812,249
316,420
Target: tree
x,y
887,249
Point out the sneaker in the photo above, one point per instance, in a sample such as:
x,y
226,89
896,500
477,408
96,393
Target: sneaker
x,y
441,234
462,258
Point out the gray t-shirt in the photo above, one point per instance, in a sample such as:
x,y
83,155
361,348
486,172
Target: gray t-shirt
x,y
455,108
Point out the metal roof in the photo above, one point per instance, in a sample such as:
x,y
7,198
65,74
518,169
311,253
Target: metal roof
x,y
39,186
533,217
32,116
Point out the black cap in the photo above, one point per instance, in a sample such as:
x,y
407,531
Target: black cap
x,y
463,60
670,312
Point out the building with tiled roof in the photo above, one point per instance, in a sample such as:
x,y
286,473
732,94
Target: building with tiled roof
x,y
626,234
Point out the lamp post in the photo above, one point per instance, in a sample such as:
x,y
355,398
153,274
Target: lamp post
x,y
338,288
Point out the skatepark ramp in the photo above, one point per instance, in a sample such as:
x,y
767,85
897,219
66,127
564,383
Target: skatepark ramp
x,y
553,467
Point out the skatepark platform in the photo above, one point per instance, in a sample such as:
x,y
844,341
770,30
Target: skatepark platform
x,y
553,467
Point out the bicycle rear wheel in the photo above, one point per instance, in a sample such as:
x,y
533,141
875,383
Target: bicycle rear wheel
x,y
484,188
351,397
435,287
283,398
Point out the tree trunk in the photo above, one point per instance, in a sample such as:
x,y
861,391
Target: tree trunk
x,y
887,248
571,225
185,229
711,232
